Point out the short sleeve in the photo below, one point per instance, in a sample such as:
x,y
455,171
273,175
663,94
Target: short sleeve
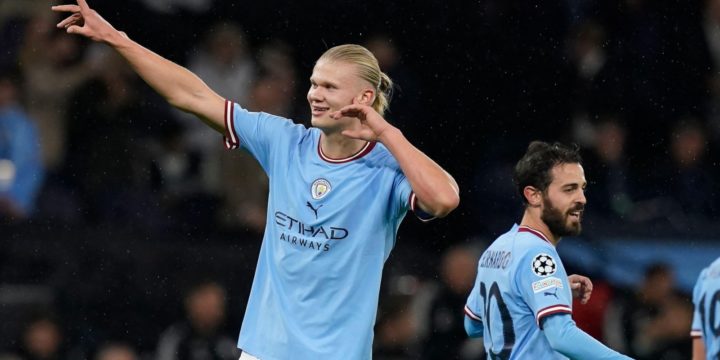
x,y
696,329
405,199
472,306
542,282
257,132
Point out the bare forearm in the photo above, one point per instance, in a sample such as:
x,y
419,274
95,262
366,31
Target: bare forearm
x,y
698,351
436,191
179,86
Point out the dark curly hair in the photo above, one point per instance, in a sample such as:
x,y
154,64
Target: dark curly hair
x,y
535,166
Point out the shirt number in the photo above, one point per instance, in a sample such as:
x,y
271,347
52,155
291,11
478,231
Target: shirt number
x,y
508,332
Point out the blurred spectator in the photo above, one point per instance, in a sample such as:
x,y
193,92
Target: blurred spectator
x,y
43,340
686,177
646,323
405,101
200,336
588,56
244,182
670,330
395,329
275,88
109,117
50,65
13,9
174,21
225,63
608,170
176,180
446,338
592,84
21,170
116,351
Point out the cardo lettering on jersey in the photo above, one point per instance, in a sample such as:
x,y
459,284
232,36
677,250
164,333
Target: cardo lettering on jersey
x,y
495,259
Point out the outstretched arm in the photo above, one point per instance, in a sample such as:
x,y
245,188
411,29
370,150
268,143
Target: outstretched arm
x,y
180,87
437,192
566,338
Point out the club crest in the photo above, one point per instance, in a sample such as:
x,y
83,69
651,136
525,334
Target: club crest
x,y
320,188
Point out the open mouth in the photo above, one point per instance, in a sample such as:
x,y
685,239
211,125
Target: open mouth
x,y
577,214
319,110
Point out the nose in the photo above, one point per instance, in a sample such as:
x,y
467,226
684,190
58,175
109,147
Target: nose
x,y
581,199
315,94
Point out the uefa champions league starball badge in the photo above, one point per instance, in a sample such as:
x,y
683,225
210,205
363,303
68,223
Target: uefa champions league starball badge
x,y
543,265
320,188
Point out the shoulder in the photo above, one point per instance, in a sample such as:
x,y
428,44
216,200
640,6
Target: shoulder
x,y
535,255
380,158
381,155
529,243
235,111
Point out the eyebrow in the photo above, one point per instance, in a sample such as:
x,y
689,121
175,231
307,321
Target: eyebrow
x,y
323,82
573,185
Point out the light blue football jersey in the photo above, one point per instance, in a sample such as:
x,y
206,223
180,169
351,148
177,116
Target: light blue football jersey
x,y
331,224
706,317
520,281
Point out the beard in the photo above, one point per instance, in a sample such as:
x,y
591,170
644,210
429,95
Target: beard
x,y
557,221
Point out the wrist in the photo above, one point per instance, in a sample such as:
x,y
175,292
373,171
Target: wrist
x,y
388,134
116,38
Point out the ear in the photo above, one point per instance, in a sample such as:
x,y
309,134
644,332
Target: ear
x,y
533,196
366,97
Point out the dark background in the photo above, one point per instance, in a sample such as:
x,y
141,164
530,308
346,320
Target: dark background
x,y
477,80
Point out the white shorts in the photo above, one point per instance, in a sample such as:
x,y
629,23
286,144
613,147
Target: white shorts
x,y
246,356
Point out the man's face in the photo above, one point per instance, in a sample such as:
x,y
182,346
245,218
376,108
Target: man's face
x,y
333,85
564,200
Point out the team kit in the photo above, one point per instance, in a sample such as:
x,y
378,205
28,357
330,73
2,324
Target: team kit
x,y
354,177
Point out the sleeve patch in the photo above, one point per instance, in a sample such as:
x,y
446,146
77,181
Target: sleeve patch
x,y
543,265
547,283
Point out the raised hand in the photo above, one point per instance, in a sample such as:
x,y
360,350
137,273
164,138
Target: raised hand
x,y
372,125
86,22
581,287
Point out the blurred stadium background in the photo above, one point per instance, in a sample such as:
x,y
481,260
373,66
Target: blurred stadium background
x,y
120,216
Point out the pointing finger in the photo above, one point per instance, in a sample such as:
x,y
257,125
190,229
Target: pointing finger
x,y
83,5
66,8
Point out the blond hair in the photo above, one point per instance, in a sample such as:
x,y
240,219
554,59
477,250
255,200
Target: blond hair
x,y
368,69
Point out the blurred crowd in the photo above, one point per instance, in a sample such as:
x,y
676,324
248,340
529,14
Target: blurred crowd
x,y
85,144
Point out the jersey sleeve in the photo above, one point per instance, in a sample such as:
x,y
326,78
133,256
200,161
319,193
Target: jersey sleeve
x,y
473,312
566,338
542,282
261,134
696,329
405,199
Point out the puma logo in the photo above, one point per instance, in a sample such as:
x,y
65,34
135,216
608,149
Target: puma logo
x,y
547,293
313,209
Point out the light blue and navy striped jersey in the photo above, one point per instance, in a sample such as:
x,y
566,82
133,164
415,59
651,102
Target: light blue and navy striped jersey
x,y
706,317
331,224
520,280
